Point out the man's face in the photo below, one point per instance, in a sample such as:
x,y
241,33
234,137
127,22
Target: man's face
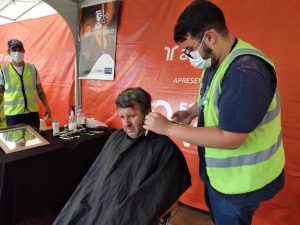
x,y
16,49
132,120
195,44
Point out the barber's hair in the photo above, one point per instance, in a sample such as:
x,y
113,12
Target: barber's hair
x,y
198,17
129,96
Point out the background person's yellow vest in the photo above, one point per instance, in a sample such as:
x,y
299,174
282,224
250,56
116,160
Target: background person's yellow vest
x,y
260,159
18,89
2,116
16,135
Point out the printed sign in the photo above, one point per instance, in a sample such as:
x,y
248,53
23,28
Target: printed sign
x,y
98,33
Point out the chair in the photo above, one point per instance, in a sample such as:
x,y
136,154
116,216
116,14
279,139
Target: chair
x,y
164,219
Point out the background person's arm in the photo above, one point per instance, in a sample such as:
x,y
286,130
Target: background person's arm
x,y
42,96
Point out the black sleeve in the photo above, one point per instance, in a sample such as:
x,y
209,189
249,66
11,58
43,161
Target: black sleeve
x,y
247,91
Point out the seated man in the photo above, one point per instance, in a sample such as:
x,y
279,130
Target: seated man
x,y
136,177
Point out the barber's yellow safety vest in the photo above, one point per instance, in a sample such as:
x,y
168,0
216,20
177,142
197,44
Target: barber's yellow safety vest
x,y
260,159
20,92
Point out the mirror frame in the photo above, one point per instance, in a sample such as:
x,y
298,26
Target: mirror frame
x,y
7,150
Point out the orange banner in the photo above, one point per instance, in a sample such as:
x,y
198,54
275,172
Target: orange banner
x,y
146,56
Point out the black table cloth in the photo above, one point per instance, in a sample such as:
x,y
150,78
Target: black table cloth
x,y
36,179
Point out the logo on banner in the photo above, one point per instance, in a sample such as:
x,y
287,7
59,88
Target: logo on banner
x,y
186,80
108,70
168,111
171,53
101,18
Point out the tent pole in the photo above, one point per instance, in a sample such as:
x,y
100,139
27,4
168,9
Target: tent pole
x,y
77,43
6,5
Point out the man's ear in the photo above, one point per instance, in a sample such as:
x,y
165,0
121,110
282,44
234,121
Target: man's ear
x,y
211,35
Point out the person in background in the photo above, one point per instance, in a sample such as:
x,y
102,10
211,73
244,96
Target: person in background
x,y
135,179
239,134
20,88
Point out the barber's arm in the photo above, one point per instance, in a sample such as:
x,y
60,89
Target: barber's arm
x,y
212,137
42,96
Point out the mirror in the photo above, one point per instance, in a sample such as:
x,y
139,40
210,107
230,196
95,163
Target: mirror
x,y
18,138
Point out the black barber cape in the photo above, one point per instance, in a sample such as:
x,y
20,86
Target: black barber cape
x,y
132,182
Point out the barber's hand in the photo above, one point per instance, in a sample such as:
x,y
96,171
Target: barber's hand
x,y
182,116
157,123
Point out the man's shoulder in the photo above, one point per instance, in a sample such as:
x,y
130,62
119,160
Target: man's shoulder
x,y
4,65
249,61
248,67
163,141
159,137
117,133
157,140
31,65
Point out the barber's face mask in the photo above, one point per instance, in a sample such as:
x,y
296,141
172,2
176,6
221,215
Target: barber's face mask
x,y
197,60
17,56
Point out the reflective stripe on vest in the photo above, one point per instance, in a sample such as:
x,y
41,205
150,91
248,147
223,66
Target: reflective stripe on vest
x,y
14,102
261,152
244,160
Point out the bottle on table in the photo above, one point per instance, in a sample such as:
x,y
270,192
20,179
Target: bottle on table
x,y
55,127
83,122
79,117
72,121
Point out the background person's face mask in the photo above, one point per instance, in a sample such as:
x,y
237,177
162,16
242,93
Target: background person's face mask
x,y
17,56
197,60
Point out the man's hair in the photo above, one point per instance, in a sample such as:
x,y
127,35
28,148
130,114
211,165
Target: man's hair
x,y
199,16
15,43
129,96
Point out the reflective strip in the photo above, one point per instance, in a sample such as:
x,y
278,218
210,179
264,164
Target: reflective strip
x,y
204,99
245,51
9,136
7,79
244,160
14,89
6,76
271,115
32,73
216,97
21,101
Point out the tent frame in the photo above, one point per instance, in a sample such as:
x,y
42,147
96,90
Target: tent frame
x,y
70,11
23,13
